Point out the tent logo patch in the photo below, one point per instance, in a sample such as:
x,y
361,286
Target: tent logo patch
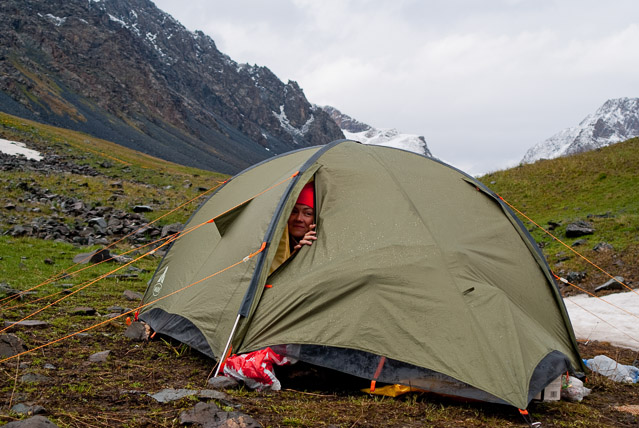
x,y
158,285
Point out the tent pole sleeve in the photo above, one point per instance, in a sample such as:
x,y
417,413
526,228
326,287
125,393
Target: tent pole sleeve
x,y
226,348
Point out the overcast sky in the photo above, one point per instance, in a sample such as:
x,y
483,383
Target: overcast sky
x,y
481,80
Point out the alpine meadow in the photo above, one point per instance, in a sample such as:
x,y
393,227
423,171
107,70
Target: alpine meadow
x,y
49,211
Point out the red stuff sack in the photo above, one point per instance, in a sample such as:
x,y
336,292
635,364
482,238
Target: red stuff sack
x,y
255,369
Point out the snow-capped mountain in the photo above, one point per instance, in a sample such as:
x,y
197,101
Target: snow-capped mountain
x,y
359,131
615,121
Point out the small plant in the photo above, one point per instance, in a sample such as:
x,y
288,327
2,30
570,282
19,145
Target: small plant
x,y
179,350
292,422
80,388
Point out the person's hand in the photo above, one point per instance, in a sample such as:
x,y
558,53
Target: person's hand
x,y
308,238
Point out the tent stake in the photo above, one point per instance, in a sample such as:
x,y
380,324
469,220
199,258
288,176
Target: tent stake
x,y
223,356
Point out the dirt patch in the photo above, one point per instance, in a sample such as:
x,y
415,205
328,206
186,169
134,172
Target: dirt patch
x,y
633,409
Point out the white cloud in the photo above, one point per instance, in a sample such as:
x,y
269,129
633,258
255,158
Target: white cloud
x,y
482,81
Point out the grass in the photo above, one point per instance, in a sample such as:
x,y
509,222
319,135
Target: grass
x,y
116,161
83,394
29,263
599,187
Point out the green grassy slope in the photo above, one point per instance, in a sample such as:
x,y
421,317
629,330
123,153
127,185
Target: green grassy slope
x,y
600,187
94,152
145,179
141,180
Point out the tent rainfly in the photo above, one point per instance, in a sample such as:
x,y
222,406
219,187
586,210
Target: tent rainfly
x,y
416,264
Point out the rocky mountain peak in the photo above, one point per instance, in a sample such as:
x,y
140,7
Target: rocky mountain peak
x,y
615,121
345,122
364,133
125,71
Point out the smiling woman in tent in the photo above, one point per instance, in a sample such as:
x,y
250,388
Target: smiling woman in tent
x,y
300,229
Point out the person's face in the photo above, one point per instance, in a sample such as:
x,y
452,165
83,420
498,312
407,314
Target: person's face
x,y
300,220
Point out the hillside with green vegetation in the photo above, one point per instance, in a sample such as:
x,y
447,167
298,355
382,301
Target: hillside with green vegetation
x,y
85,308
144,179
118,162
599,187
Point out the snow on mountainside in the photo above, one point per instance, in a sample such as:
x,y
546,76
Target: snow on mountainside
x,y
366,134
617,120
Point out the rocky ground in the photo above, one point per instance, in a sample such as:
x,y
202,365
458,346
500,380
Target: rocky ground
x,y
72,219
102,378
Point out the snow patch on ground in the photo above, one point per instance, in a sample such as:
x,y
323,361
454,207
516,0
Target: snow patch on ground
x,y
14,148
596,318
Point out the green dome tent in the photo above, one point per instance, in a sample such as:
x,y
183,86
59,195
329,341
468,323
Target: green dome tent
x,y
416,264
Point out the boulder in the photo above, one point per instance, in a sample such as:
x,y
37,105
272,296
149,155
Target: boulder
x,y
208,415
579,228
132,295
574,277
27,324
99,357
615,283
138,331
99,224
223,382
96,256
142,209
34,378
11,345
33,422
82,310
28,409
169,394
603,247
171,229
579,242
117,309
